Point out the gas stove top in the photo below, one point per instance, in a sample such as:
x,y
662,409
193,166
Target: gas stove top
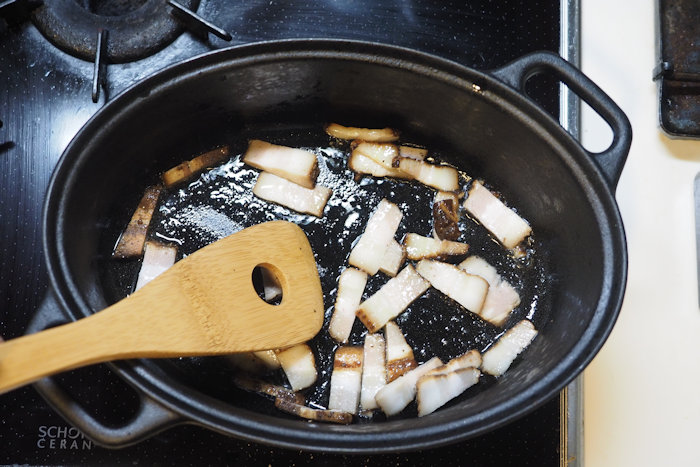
x,y
60,61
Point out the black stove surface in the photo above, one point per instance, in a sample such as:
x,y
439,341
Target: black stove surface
x,y
45,97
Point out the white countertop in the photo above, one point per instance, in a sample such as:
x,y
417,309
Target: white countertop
x,y
642,391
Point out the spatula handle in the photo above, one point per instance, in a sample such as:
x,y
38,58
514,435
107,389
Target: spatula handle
x,y
131,328
64,347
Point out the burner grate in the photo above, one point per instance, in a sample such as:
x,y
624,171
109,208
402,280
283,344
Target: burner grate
x,y
136,28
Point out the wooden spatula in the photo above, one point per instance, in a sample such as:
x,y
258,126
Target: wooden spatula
x,y
203,305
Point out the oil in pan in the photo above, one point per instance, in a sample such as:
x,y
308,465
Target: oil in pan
x,y
220,202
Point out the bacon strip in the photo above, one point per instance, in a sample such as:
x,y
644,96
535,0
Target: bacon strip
x,y
395,396
501,355
389,162
466,289
157,258
420,247
369,251
365,134
279,190
133,239
361,164
296,165
299,366
501,298
470,359
399,355
263,387
393,298
508,227
187,169
346,379
434,390
441,177
351,285
373,370
319,415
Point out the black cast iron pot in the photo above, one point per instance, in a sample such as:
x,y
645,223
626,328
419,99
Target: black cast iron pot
x,y
485,120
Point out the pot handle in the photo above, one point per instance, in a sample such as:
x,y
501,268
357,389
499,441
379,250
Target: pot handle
x,y
151,418
610,160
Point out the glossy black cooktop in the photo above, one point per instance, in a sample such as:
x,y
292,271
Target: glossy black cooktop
x,y
45,97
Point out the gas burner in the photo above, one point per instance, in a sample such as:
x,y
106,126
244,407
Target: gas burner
x,y
134,28
112,31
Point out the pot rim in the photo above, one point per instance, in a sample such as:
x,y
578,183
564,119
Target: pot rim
x,y
373,438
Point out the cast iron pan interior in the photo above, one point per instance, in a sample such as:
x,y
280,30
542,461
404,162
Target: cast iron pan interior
x,y
284,92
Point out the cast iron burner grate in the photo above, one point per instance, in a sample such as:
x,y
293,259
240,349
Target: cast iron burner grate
x,y
136,28
116,31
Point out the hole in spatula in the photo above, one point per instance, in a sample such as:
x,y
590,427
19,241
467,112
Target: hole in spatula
x,y
267,284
